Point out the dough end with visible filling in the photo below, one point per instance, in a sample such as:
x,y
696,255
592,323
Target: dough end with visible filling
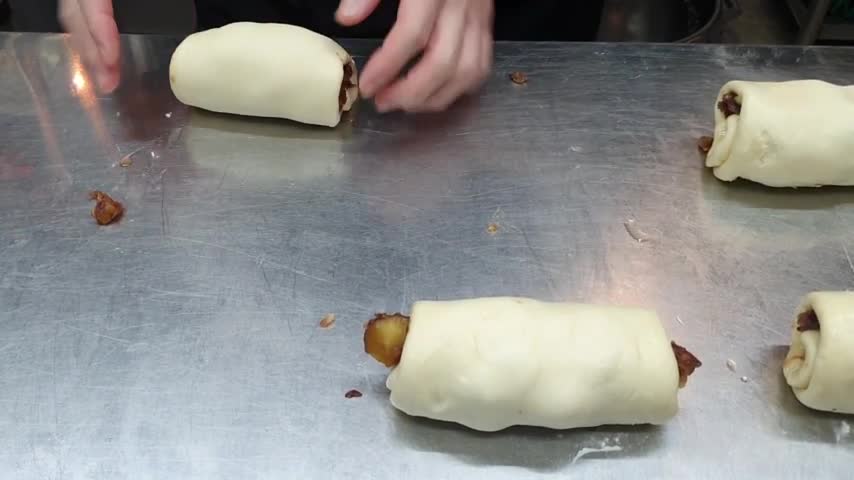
x,y
819,366
265,70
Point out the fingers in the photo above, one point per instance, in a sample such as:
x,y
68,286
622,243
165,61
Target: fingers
x,y
73,22
102,24
94,36
408,37
436,67
474,65
353,12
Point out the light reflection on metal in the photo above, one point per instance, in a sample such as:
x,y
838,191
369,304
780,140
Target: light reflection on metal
x,y
82,86
79,81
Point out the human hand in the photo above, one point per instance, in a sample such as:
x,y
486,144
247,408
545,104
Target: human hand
x,y
455,37
95,36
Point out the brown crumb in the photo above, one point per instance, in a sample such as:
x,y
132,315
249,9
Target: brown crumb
x,y
328,321
808,321
705,143
125,161
686,362
353,394
519,78
492,228
106,209
729,105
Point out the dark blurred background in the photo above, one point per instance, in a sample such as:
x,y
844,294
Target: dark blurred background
x,y
728,21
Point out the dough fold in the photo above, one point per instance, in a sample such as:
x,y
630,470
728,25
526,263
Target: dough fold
x,y
265,70
820,364
787,134
491,363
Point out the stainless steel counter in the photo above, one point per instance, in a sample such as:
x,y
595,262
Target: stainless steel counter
x,y
184,342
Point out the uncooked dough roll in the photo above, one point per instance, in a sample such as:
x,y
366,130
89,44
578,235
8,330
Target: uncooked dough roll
x,y
820,363
784,134
265,70
491,363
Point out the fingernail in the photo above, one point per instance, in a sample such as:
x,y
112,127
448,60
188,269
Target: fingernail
x,y
107,81
351,8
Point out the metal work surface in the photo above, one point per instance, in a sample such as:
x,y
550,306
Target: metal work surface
x,y
184,342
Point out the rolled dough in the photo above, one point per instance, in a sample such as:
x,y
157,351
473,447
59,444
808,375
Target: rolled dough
x,y
820,364
264,70
490,363
788,134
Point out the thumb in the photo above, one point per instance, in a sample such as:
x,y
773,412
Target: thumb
x,y
353,12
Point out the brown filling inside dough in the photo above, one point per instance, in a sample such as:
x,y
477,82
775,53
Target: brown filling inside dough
x,y
686,362
705,143
808,321
385,336
346,84
729,105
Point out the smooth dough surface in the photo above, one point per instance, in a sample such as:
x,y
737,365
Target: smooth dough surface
x,y
788,134
491,363
263,70
820,364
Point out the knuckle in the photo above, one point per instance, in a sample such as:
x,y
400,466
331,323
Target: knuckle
x,y
411,104
439,105
65,12
64,18
471,72
420,37
443,65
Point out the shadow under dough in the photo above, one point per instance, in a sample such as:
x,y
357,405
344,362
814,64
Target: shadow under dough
x,y
538,449
791,419
756,195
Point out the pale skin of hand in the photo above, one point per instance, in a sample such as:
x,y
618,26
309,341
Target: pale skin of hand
x,y
453,37
94,34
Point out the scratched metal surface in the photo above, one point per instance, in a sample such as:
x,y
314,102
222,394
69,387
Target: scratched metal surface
x,y
184,342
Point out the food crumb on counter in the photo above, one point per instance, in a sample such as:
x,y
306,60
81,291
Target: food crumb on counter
x,y
328,321
744,379
519,78
730,364
635,232
492,228
106,210
168,115
353,394
126,161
